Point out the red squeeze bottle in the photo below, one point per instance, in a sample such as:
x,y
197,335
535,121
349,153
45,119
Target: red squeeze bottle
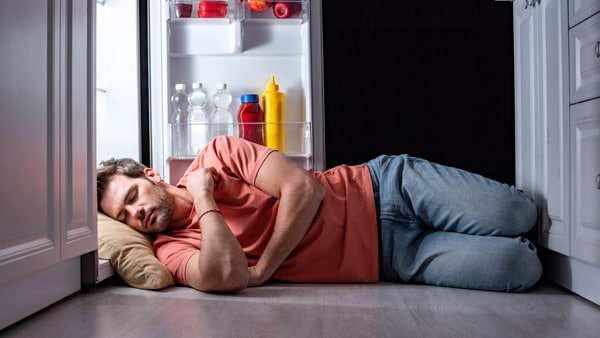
x,y
251,119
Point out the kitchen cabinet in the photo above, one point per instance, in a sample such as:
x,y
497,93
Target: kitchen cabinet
x,y
48,146
556,144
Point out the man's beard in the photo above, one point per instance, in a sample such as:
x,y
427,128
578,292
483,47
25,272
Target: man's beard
x,y
164,210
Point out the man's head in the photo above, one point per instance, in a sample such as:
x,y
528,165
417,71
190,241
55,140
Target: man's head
x,y
132,193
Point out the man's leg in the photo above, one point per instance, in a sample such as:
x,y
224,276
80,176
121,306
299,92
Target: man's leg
x,y
445,226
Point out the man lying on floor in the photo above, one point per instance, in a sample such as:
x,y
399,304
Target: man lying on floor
x,y
244,213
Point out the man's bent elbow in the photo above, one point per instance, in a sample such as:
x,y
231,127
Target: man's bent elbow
x,y
226,275
230,283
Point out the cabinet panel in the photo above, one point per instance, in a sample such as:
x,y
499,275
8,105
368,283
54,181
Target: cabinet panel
x,y
46,138
585,59
79,207
525,104
553,123
582,9
585,140
29,234
541,106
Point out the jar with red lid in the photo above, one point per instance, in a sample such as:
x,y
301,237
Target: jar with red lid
x,y
251,119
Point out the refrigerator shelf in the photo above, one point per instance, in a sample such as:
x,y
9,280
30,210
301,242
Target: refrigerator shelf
x,y
240,10
222,36
296,136
178,164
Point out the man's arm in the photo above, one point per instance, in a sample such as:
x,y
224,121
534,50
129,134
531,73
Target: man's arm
x,y
220,265
300,196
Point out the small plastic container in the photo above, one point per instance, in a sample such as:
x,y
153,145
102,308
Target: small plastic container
x,y
183,9
212,9
278,9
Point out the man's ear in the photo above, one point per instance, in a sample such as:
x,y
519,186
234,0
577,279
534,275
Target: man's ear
x,y
152,175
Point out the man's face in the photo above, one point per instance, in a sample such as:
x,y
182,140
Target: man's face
x,y
139,202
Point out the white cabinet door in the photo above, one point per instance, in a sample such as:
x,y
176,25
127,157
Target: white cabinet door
x,y
46,136
585,200
78,123
553,123
525,100
30,112
541,92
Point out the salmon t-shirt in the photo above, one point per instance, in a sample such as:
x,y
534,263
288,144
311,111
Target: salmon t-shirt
x,y
341,245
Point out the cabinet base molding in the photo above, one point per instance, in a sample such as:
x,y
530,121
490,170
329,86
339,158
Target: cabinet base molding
x,y
575,275
38,290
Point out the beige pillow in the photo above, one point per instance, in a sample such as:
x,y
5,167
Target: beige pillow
x,y
131,255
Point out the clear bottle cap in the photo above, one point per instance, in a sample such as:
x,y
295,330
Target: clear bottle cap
x,y
221,86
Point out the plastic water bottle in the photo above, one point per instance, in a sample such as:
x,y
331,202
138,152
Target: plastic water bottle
x,y
222,119
307,139
197,119
179,132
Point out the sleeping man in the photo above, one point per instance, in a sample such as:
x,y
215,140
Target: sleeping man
x,y
243,214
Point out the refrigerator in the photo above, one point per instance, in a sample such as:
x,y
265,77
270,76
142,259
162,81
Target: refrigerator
x,y
243,46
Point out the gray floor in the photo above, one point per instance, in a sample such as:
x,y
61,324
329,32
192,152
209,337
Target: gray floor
x,y
324,310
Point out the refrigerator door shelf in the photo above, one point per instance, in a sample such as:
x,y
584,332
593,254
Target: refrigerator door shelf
x,y
238,10
297,136
178,165
203,37
269,37
218,37
193,10
277,10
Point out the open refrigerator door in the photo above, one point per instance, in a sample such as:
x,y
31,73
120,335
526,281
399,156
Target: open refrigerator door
x,y
243,44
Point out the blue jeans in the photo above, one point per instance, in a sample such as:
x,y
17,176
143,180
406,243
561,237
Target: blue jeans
x,y
445,226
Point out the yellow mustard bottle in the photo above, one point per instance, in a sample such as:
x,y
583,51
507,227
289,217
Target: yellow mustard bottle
x,y
273,107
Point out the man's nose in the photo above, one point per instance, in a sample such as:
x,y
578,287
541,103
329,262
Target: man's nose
x,y
136,211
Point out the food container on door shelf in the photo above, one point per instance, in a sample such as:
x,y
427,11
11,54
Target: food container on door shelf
x,y
203,9
266,9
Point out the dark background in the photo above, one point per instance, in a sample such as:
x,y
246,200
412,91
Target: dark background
x,y
431,78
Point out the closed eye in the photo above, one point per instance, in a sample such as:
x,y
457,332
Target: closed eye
x,y
129,198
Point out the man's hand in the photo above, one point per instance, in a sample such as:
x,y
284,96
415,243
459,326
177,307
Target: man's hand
x,y
202,181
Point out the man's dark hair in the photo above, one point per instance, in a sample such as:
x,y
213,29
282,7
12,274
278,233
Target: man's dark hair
x,y
120,166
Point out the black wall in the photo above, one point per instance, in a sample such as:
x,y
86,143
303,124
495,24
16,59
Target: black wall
x,y
431,78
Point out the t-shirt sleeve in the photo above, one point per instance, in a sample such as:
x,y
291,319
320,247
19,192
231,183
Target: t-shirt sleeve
x,y
175,250
231,156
